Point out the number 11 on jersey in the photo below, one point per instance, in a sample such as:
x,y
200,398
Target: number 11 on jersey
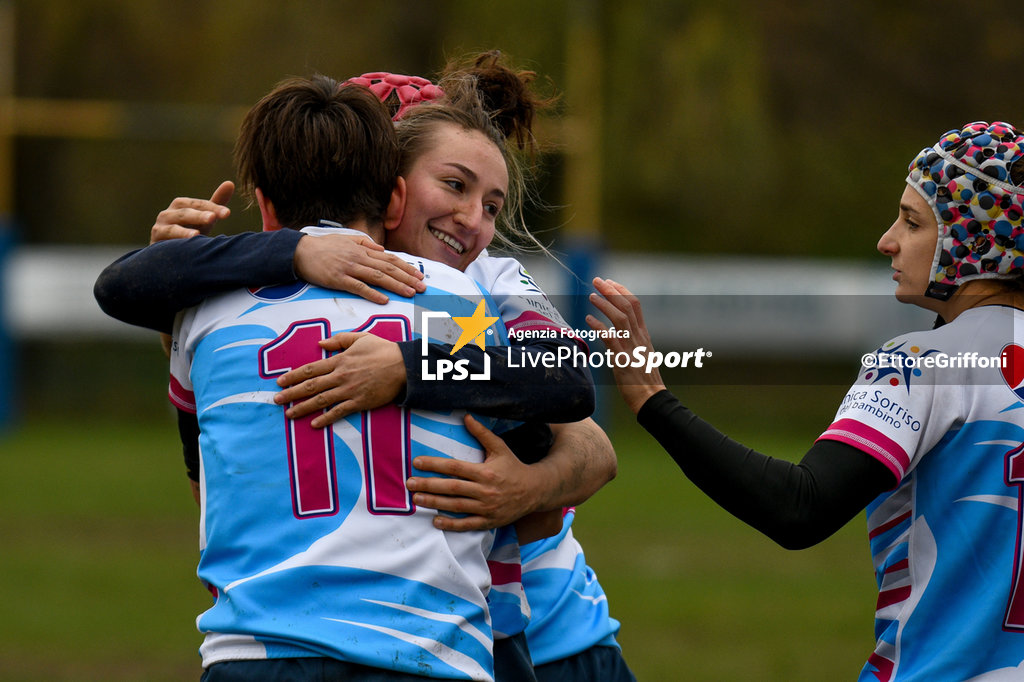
x,y
1015,478
385,430
310,450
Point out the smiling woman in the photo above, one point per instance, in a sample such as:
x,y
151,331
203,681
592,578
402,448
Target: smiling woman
x,y
455,191
472,151
456,153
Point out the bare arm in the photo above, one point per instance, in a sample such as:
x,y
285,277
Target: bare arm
x,y
582,460
502,489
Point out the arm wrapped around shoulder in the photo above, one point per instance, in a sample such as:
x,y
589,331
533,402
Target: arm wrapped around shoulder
x,y
525,382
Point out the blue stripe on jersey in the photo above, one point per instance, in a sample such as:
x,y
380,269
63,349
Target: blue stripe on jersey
x,y
449,429
282,576
417,641
242,491
958,595
230,358
568,606
440,434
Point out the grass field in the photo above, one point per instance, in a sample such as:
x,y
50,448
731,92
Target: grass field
x,y
97,576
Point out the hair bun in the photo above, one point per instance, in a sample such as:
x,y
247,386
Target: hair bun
x,y
505,94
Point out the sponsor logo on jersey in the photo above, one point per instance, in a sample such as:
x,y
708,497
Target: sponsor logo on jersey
x,y
526,279
278,292
1013,368
895,364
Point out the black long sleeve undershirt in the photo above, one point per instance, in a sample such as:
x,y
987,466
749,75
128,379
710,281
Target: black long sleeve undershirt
x,y
148,287
796,505
565,390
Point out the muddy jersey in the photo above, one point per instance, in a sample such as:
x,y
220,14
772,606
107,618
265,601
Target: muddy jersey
x,y
309,539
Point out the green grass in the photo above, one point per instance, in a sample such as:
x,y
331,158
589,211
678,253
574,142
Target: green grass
x,y
97,573
703,597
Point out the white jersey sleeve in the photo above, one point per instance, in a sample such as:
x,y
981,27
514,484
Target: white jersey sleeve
x,y
522,304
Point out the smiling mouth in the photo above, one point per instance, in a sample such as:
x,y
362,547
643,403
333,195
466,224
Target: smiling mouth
x,y
447,239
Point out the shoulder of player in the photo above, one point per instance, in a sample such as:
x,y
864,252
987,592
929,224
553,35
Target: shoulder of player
x,y
444,277
971,329
939,338
488,269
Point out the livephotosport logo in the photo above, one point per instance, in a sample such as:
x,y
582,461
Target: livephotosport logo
x,y
473,330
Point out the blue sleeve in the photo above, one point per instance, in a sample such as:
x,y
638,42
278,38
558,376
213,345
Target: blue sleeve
x,y
522,386
149,286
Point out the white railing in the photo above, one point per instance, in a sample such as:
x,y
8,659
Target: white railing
x,y
801,308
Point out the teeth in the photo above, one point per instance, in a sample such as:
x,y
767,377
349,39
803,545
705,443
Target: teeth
x,y
450,241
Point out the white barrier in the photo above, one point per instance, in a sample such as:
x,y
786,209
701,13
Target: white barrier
x,y
796,308
47,293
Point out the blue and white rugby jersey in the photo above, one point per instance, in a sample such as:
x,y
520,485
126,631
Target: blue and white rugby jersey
x,y
506,600
948,421
308,536
569,608
523,306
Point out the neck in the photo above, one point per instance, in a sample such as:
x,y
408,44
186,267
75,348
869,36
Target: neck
x,y
374,231
980,292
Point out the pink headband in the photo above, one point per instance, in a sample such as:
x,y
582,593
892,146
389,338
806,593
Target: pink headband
x,y
399,92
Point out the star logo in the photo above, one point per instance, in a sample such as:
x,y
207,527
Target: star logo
x,y
473,328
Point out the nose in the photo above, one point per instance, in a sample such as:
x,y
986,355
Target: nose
x,y
887,244
468,215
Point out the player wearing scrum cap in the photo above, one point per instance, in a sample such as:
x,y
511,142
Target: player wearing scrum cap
x,y
934,452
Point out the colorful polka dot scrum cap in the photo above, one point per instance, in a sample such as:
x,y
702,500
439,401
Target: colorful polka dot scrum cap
x,y
965,178
397,91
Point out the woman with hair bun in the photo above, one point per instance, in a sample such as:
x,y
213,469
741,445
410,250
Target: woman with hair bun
x,y
481,119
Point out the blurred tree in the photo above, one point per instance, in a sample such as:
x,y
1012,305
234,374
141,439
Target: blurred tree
x,y
730,126
685,121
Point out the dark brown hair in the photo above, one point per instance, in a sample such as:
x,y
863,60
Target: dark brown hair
x,y
508,95
487,95
318,151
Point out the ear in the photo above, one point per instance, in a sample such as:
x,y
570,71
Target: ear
x,y
270,222
396,207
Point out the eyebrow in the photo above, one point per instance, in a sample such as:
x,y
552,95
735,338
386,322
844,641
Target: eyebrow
x,y
473,176
907,208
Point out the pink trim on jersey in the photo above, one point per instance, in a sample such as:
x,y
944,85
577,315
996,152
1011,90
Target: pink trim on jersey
x,y
888,525
883,666
871,441
181,397
893,596
505,573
